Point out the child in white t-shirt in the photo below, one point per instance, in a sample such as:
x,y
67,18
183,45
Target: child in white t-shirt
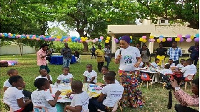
x,y
11,72
165,71
14,98
189,69
90,76
155,64
180,65
44,74
105,70
42,98
109,96
66,77
80,99
170,62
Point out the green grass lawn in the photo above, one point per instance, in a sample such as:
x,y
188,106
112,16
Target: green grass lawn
x,y
156,98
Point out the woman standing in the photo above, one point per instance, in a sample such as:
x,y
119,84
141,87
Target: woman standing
x,y
100,58
128,58
145,54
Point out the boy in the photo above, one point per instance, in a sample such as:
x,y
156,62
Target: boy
x,y
105,70
66,77
190,69
155,64
90,76
170,62
80,99
109,96
44,74
165,71
11,72
180,65
13,97
43,98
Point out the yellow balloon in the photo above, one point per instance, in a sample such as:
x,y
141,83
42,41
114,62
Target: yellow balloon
x,y
86,38
69,39
164,40
107,41
108,38
158,40
144,41
177,39
82,38
141,39
151,37
58,37
131,37
192,37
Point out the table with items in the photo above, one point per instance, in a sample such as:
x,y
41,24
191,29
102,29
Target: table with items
x,y
58,59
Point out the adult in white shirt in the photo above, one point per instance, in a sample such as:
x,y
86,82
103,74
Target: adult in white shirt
x,y
90,75
129,59
42,98
190,69
109,96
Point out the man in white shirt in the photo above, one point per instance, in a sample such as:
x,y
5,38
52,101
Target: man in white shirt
x,y
90,75
109,97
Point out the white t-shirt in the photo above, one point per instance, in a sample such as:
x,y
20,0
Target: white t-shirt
x,y
113,94
128,58
10,97
189,70
81,99
166,71
65,78
179,66
154,65
7,84
90,75
44,77
41,98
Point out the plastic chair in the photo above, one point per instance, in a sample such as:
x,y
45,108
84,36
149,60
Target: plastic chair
x,y
145,78
39,109
189,79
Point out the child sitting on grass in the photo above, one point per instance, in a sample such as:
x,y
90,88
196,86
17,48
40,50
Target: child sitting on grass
x,y
44,74
109,96
42,98
13,97
90,76
66,77
14,72
105,70
80,99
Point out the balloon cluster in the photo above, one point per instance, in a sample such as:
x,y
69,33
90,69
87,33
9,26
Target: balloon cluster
x,y
56,38
143,39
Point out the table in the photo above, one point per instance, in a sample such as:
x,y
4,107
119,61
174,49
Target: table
x,y
92,90
58,59
155,77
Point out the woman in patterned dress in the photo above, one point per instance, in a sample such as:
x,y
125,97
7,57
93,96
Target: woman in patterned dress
x,y
129,58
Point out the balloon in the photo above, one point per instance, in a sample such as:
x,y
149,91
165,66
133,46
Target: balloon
x,y
151,37
161,36
144,37
181,39
1,34
188,40
196,39
161,39
158,40
107,38
100,40
197,35
164,40
107,41
82,38
116,40
94,41
177,39
179,36
131,37
101,37
141,39
192,37
87,41
187,36
144,41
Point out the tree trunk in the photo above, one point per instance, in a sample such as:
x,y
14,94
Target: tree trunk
x,y
85,44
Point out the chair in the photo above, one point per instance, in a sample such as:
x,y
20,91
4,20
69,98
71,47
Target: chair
x,y
39,109
189,79
145,78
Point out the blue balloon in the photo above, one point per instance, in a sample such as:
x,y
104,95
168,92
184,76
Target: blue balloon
x,y
161,36
100,40
197,35
5,34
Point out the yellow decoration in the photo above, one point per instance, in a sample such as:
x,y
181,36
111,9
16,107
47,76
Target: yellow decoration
x,y
164,40
192,37
69,39
177,39
86,38
131,37
144,40
58,37
158,40
141,39
151,37
108,38
82,38
107,41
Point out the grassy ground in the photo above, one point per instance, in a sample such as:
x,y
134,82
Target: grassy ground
x,y
156,97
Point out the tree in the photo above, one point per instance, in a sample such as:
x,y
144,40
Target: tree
x,y
186,10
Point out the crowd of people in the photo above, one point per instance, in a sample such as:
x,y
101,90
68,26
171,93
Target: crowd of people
x,y
125,90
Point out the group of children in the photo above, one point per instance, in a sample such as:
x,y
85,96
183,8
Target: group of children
x,y
16,97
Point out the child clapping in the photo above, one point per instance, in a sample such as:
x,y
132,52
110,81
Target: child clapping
x,y
66,77
42,98
80,99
